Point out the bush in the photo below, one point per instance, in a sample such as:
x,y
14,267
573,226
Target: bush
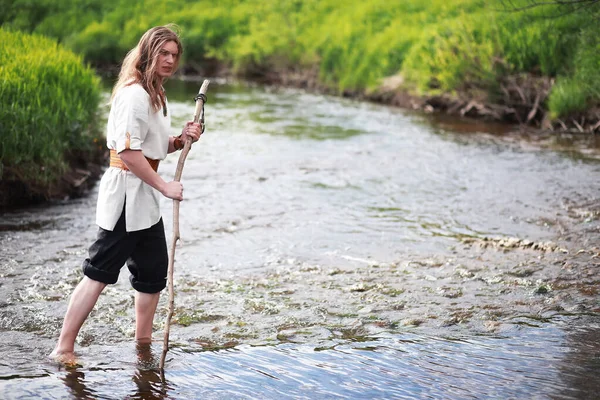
x,y
49,107
454,54
580,89
99,43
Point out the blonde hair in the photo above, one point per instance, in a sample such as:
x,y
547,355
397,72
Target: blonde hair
x,y
140,63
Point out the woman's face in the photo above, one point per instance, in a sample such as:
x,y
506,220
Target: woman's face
x,y
167,59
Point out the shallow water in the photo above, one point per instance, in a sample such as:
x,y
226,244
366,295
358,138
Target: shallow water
x,y
321,257
547,362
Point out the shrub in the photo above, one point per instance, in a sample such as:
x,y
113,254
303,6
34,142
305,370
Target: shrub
x,y
49,107
451,55
581,88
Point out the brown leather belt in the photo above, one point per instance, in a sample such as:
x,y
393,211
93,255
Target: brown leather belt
x,y
115,161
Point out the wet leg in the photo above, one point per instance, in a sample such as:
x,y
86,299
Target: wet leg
x,y
82,302
145,307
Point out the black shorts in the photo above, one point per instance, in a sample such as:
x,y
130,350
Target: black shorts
x,y
145,253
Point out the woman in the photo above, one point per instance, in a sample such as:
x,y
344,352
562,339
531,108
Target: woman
x,y
128,213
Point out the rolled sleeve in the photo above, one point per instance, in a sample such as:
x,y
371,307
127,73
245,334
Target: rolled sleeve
x,y
132,109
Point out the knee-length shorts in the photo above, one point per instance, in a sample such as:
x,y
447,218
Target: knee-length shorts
x,y
144,252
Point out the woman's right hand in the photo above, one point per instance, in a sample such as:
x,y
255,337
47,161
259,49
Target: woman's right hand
x,y
173,190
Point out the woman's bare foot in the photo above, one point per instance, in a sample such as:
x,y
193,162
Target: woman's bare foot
x,y
64,357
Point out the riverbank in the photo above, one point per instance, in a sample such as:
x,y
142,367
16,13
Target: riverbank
x,y
48,118
519,102
81,174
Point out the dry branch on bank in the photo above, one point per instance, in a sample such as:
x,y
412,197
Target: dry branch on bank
x,y
518,99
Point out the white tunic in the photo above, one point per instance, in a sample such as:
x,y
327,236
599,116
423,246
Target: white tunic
x,y
132,124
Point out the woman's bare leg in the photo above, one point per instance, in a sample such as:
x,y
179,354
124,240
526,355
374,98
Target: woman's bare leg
x,y
82,302
145,307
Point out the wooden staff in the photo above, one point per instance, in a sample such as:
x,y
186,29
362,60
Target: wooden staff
x,y
198,117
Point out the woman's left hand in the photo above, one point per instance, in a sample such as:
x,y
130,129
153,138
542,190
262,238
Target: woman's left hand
x,y
192,130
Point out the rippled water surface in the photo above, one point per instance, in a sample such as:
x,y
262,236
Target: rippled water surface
x,y
542,363
286,184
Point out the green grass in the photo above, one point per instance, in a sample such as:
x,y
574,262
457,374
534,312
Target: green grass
x,y
49,105
438,46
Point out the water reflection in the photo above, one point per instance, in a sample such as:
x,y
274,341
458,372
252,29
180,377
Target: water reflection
x,y
150,383
550,361
405,366
74,380
578,146
581,363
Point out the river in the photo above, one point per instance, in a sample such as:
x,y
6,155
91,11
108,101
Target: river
x,y
332,249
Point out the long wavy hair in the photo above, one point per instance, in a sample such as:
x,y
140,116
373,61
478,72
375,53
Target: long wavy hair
x,y
141,63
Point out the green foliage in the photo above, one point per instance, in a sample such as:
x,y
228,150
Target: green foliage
x,y
359,45
580,89
207,29
457,53
99,43
437,45
269,37
567,97
55,18
534,42
49,103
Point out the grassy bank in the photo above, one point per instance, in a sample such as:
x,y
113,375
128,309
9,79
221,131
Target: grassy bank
x,y
47,119
467,49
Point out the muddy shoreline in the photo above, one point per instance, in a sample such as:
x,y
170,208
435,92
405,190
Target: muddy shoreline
x,y
81,175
